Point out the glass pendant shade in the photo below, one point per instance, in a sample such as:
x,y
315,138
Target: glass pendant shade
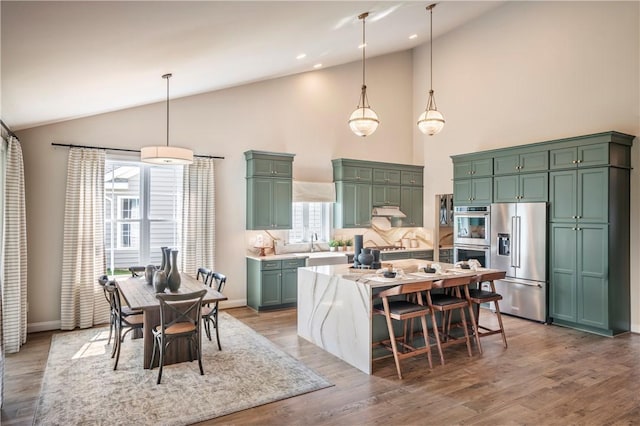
x,y
431,121
363,121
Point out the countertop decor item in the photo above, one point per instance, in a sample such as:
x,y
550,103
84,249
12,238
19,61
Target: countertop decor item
x,y
159,281
166,155
363,121
365,257
431,121
173,279
149,270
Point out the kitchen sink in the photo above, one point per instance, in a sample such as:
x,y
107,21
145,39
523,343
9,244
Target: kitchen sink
x,y
318,258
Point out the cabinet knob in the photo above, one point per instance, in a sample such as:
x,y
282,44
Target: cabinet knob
x,y
579,161
579,229
578,217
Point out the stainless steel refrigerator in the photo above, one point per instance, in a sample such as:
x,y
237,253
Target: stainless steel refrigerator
x,y
519,246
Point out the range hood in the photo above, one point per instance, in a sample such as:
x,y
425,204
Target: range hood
x,y
387,211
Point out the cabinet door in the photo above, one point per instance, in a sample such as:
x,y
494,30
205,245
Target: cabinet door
x,y
593,155
592,280
506,189
388,177
357,173
355,205
482,191
282,168
593,193
506,164
562,158
363,205
411,204
271,288
483,167
385,195
563,264
563,196
462,169
411,178
534,161
462,192
289,285
281,203
534,187
259,198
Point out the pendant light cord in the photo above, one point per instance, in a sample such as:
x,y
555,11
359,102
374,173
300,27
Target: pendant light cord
x,y
431,43
364,47
167,77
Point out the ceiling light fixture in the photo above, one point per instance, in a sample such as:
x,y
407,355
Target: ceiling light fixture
x,y
363,121
166,154
431,120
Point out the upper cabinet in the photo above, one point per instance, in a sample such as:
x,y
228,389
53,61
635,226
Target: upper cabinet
x,y
269,190
362,185
521,162
480,167
580,156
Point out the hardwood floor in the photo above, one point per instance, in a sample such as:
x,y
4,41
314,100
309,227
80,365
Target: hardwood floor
x,y
548,375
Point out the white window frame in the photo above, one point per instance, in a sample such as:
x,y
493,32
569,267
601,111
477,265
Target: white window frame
x,y
303,232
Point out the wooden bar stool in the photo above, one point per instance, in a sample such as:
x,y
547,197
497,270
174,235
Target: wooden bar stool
x,y
403,310
456,296
478,296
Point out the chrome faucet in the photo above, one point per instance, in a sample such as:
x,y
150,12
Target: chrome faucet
x,y
313,236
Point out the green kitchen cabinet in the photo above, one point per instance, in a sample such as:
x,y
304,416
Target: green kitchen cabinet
x,y
468,192
354,205
269,190
386,176
269,203
473,168
422,254
411,178
521,163
522,188
272,284
411,204
385,195
579,290
579,156
579,195
348,172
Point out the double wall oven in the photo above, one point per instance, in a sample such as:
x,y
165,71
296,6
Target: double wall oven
x,y
471,234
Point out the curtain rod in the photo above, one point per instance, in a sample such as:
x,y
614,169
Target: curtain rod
x,y
8,129
122,149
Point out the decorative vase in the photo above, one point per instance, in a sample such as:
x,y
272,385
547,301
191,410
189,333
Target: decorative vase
x,y
149,270
166,255
365,257
375,264
163,262
173,279
159,281
357,248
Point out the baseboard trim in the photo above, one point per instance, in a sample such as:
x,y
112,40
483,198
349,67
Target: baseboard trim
x,y
235,303
43,326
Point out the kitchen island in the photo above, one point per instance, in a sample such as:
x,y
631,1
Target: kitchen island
x,y
335,306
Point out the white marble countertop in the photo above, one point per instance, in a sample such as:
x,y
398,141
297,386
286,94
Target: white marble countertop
x,y
302,255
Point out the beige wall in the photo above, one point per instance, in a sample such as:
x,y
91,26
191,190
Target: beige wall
x,y
530,72
523,73
304,114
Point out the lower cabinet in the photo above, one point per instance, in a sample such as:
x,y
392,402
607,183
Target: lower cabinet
x,y
581,294
272,284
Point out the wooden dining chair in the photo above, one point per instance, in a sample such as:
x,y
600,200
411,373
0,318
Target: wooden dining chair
x,y
125,311
122,323
409,306
204,274
479,296
179,319
453,295
209,312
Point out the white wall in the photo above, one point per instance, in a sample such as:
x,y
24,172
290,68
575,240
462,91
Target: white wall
x,y
305,114
529,72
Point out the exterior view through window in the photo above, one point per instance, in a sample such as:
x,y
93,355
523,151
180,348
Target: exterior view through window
x,y
309,219
142,212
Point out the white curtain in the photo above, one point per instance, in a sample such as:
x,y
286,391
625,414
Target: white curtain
x,y
14,251
83,258
3,153
198,216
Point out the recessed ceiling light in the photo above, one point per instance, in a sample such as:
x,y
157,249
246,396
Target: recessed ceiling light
x,y
413,36
301,56
317,66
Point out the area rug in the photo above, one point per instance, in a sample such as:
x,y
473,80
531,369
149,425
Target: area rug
x,y
80,386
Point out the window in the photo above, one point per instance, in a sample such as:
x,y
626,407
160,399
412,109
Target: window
x,y
142,212
309,219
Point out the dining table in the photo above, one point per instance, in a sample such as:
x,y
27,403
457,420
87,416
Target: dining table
x,y
141,296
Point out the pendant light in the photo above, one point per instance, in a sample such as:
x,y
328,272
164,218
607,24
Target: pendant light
x,y
431,120
363,121
169,155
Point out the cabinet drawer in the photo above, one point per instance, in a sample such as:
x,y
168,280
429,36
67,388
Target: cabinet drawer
x,y
268,265
293,263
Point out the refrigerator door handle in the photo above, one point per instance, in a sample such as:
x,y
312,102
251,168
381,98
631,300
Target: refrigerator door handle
x,y
518,232
514,243
530,283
